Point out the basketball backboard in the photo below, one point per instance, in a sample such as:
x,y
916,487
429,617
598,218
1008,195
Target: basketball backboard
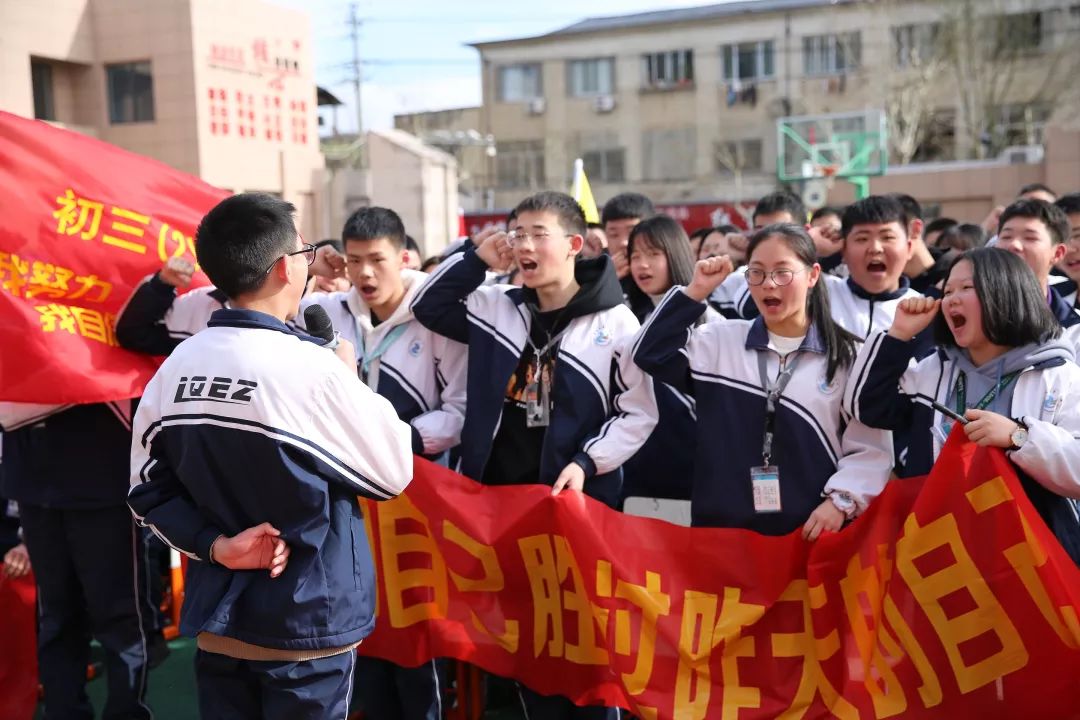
x,y
837,145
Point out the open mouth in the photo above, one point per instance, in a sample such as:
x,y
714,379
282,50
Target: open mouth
x,y
528,265
771,302
958,321
367,289
643,279
876,266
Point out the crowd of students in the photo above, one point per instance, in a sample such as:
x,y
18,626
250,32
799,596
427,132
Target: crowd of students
x,y
776,379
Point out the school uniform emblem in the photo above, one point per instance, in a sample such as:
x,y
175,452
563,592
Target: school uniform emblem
x,y
603,337
415,348
828,388
1049,402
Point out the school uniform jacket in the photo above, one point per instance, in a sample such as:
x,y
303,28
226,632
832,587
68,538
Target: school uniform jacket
x,y
887,391
155,320
853,308
1065,311
421,373
817,447
248,422
603,407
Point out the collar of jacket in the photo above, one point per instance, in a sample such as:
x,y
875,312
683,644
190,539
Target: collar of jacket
x,y
859,291
1062,310
254,320
758,338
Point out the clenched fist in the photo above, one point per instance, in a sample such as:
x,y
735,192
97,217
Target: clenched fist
x,y
708,275
913,315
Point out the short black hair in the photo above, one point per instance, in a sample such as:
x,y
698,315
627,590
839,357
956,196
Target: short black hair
x,y
825,211
938,225
1053,217
725,229
1014,309
372,223
241,238
332,242
410,244
627,206
781,201
911,206
1069,204
594,226
873,210
961,237
571,216
1036,187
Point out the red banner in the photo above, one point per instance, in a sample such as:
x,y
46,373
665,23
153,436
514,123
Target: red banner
x,y
949,595
83,223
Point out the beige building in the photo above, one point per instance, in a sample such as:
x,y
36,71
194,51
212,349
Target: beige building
x,y
682,104
222,90
456,131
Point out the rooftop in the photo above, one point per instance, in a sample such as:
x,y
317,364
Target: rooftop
x,y
677,15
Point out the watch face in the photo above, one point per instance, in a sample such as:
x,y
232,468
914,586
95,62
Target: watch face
x,y
1019,437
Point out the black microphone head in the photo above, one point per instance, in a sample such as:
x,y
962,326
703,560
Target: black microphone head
x,y
318,323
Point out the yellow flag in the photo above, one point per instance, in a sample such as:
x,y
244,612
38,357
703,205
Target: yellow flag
x,y
583,193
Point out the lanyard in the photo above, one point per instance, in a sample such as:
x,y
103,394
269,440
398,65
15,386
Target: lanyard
x,y
387,340
552,341
773,390
960,390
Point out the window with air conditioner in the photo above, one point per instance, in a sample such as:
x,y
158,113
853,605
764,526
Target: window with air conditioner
x,y
592,77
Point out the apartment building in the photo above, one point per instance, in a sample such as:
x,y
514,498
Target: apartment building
x,y
222,90
682,104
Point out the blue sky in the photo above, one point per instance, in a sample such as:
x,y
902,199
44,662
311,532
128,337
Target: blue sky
x,y
417,48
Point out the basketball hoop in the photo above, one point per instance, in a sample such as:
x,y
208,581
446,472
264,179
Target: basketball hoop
x,y
828,171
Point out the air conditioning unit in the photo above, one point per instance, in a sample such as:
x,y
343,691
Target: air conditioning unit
x,y
1022,154
536,106
603,103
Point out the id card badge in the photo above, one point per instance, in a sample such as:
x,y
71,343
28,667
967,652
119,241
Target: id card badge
x,y
537,407
765,481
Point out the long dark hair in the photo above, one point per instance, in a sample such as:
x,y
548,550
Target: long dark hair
x,y
1014,309
839,343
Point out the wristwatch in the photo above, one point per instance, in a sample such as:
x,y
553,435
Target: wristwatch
x,y
1019,435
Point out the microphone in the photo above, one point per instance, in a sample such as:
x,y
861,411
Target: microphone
x,y
320,326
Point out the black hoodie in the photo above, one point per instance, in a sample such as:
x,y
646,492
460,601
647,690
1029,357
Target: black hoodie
x,y
515,454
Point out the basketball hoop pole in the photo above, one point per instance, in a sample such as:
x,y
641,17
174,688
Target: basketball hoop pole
x,y
862,186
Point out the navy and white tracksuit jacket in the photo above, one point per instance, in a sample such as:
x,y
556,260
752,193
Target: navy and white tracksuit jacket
x,y
818,448
421,373
248,422
603,407
853,308
155,320
888,391
1065,311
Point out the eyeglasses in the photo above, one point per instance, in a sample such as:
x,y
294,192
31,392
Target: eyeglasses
x,y
519,236
756,276
308,251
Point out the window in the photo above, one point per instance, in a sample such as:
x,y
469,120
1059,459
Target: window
x,y
41,76
518,83
591,77
1020,124
131,92
668,69
520,164
915,45
738,156
831,54
605,165
748,61
669,154
1027,32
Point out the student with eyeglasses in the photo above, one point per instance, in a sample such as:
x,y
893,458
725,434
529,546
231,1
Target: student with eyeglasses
x,y
553,396
775,451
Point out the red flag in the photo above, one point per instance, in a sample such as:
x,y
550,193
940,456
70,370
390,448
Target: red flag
x,y
83,223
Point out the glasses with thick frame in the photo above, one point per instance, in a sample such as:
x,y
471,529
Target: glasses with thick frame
x,y
308,250
780,278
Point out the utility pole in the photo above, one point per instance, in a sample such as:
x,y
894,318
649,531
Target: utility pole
x,y
354,28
